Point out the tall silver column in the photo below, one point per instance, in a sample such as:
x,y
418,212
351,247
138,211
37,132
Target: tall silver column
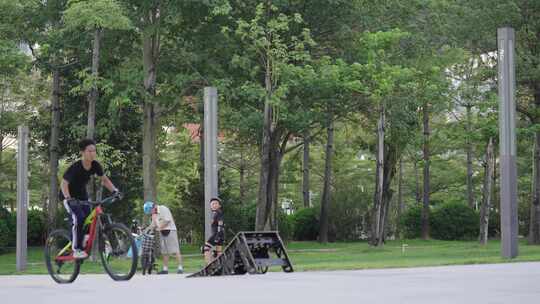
x,y
22,197
210,154
507,126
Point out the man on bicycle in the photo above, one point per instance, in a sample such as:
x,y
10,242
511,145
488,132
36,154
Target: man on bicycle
x,y
73,188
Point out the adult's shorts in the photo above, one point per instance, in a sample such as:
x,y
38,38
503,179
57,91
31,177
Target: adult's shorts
x,y
169,243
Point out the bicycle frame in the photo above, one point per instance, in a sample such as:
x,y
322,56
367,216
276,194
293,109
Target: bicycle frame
x,y
91,219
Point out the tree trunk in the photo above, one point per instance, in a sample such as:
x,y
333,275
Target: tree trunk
x,y
92,101
242,172
12,202
486,201
379,181
305,171
93,95
267,209
151,45
470,189
267,202
263,201
391,157
401,203
389,171
274,191
149,152
270,160
495,193
54,149
2,136
534,225
1,157
325,201
425,209
418,194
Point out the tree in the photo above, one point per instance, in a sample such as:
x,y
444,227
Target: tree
x,y
13,68
94,16
528,66
385,82
273,42
45,31
14,108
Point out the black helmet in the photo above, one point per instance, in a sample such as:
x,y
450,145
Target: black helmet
x,y
216,199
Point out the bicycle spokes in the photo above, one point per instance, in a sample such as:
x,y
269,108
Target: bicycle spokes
x,y
115,245
61,265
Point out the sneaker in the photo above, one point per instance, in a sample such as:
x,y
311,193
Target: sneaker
x,y
79,254
163,272
180,271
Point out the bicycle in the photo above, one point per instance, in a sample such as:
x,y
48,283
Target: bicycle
x,y
114,240
148,256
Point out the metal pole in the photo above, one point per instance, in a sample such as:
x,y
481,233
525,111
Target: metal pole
x,y
507,126
210,154
22,197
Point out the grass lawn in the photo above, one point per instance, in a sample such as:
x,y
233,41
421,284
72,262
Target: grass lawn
x,y
308,256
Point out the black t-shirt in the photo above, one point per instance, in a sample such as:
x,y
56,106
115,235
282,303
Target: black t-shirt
x,y
217,217
77,177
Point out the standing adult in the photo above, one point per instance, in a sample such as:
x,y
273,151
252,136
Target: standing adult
x,y
163,221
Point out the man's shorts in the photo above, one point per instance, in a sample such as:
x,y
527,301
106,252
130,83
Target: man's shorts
x,y
169,243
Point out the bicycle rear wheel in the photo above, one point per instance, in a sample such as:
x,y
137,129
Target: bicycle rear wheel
x,y
115,241
59,257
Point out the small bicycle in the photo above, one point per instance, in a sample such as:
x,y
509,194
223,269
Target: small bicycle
x,y
114,240
148,256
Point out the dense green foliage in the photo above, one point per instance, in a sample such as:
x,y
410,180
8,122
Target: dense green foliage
x,y
306,224
411,223
306,61
454,221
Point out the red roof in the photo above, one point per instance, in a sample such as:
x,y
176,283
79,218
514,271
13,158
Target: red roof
x,y
194,130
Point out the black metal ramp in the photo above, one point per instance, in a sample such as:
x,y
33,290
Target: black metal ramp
x,y
249,252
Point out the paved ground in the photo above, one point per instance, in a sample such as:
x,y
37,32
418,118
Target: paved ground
x,y
501,283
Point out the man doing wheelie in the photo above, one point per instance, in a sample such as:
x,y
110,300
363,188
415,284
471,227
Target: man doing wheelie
x,y
73,191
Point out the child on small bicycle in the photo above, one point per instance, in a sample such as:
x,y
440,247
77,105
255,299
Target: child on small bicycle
x,y
73,191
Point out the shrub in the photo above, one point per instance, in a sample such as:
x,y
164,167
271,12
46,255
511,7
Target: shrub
x,y
4,236
524,217
494,224
9,231
454,221
411,222
239,217
305,224
61,220
36,228
286,226
347,217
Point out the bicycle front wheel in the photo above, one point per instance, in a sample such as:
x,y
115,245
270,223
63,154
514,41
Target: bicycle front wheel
x,y
118,252
61,265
